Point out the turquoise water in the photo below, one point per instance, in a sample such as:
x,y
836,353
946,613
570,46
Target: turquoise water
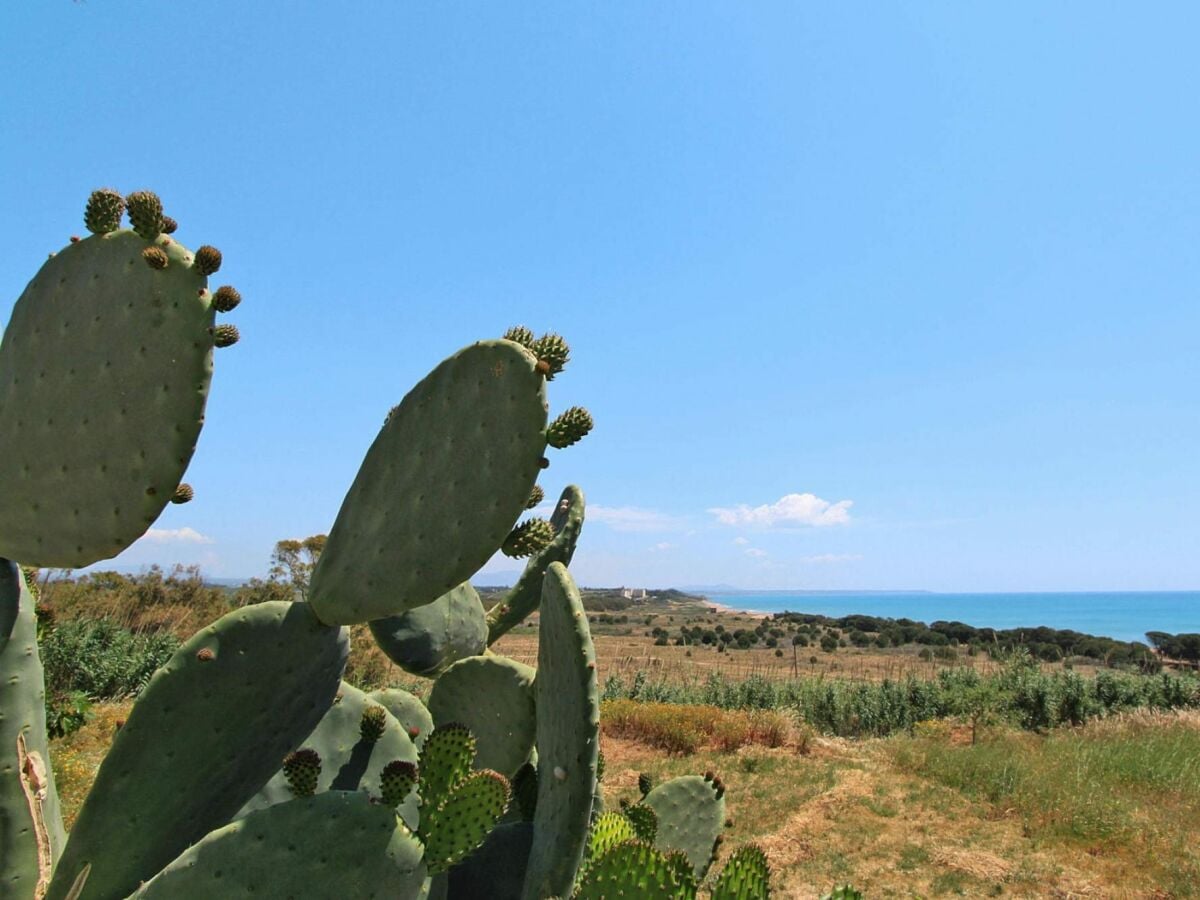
x,y
1123,616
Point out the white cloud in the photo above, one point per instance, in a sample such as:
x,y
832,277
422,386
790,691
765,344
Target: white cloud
x,y
755,552
830,558
663,545
183,535
741,541
790,511
631,518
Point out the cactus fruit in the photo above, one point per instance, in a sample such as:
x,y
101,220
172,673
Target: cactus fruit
x,y
183,494
208,260
530,537
552,350
335,844
526,594
456,481
302,768
372,724
104,210
428,639
493,696
145,214
519,334
568,733
569,428
206,735
169,225
536,496
396,782
226,298
155,258
105,367
226,335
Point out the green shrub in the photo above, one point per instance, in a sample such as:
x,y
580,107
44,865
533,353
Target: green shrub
x,y
100,659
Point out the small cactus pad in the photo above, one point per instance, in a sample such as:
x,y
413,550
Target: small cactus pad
x,y
396,782
439,489
691,815
31,832
445,761
372,724
350,760
208,260
104,210
526,594
494,697
634,869
519,334
145,214
201,739
645,783
459,824
552,350
334,845
536,496
409,711
569,428
608,830
644,821
497,869
302,768
568,736
530,537
428,639
746,876
226,335
104,373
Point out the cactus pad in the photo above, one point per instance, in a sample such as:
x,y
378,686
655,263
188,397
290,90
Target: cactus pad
x,y
568,734
552,350
569,428
409,711
336,844
207,735
396,782
428,639
460,823
608,830
445,761
497,869
31,832
691,815
494,697
351,760
439,489
530,537
536,496
634,869
644,821
104,373
104,210
746,876
526,594
302,768
145,214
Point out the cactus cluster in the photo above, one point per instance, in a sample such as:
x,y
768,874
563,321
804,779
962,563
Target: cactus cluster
x,y
247,766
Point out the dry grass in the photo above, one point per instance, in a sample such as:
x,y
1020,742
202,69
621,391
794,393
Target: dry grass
x,y
685,729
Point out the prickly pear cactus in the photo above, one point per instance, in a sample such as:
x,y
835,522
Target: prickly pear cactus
x,y
31,832
428,639
691,816
409,711
104,373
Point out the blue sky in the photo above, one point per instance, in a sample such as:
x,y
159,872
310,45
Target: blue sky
x,y
930,268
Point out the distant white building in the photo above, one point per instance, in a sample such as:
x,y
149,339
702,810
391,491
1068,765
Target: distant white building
x,y
633,593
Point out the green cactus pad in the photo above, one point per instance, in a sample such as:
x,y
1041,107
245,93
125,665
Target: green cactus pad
x,y
428,639
569,428
634,869
334,845
526,594
409,711
530,537
536,496
349,760
497,869
459,824
691,815
644,821
104,373
439,489
608,830
372,724
302,769
568,735
202,738
552,350
146,214
104,210
445,761
519,334
494,697
746,876
31,832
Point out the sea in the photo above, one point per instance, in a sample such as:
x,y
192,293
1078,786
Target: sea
x,y
1124,616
